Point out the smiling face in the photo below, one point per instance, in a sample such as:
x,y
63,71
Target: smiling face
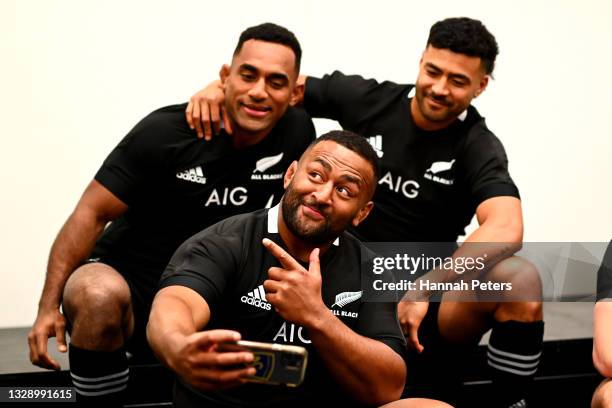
x,y
328,190
445,87
259,85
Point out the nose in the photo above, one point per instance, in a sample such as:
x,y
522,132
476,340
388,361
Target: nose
x,y
323,194
440,87
258,90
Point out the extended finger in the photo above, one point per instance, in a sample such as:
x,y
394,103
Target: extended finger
x,y
196,119
215,117
314,265
414,339
226,122
279,253
224,358
60,335
206,120
188,113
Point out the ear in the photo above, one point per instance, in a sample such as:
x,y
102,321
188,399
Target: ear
x,y
224,73
362,214
482,85
297,95
289,174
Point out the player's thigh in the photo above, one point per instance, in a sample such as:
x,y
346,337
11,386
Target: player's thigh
x,y
97,289
417,403
462,319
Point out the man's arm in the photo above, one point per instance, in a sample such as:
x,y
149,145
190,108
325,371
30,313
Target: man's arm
x,y
336,96
72,245
499,236
176,316
367,368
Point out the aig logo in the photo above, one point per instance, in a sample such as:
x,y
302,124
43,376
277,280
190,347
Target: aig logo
x,y
408,188
235,196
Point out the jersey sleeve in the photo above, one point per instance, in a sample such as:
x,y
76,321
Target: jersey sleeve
x,y
486,168
137,157
604,276
378,321
299,125
206,263
344,98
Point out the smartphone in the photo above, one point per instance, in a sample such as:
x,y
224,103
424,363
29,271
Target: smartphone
x,y
275,363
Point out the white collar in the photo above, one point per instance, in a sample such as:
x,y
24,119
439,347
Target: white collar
x,y
273,222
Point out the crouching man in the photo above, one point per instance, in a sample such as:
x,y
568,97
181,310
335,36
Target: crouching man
x,y
297,259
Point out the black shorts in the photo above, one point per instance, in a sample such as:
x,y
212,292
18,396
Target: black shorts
x,y
142,294
437,372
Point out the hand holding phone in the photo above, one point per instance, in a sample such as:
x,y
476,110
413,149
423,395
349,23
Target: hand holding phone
x,y
274,363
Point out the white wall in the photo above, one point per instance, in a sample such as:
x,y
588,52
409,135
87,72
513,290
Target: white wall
x,y
75,76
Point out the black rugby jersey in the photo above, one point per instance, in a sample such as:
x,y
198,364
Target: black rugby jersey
x,y
176,185
227,265
430,182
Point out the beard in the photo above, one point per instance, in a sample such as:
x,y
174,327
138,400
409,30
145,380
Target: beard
x,y
450,111
320,233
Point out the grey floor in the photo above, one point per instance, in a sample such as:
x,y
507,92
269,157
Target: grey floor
x,y
564,320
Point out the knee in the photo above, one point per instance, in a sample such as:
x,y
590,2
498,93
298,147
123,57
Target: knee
x,y
602,398
98,295
524,302
519,311
524,277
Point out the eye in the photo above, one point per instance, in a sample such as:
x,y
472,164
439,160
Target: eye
x,y
343,191
432,72
315,176
247,76
277,84
458,83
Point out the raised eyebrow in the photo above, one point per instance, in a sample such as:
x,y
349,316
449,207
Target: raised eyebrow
x,y
352,179
323,163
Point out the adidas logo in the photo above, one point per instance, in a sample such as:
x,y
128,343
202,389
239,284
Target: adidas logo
x,y
376,143
196,175
257,298
520,404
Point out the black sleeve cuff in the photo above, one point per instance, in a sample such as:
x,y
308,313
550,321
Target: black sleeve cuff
x,y
495,190
193,283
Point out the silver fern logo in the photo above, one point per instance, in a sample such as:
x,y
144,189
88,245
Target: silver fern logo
x,y
344,298
267,162
264,164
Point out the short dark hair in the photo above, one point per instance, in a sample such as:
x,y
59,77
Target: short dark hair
x,y
273,33
354,142
467,36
